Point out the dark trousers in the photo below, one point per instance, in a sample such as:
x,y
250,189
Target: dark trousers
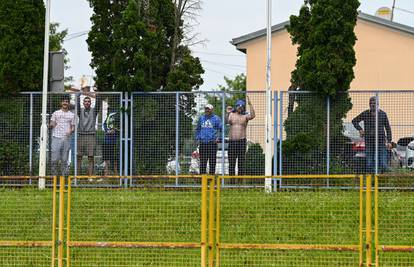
x,y
237,151
208,153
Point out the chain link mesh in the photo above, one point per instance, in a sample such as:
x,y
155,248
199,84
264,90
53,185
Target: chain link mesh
x,y
133,221
395,213
26,224
308,216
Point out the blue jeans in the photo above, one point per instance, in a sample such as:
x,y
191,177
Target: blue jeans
x,y
382,158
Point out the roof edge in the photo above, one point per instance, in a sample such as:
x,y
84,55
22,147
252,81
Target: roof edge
x,y
281,26
257,34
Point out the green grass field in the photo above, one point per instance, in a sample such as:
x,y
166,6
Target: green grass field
x,y
308,216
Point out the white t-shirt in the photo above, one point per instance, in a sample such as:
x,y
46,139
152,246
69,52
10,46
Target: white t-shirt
x,y
64,121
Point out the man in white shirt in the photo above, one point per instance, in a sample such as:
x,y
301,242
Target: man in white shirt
x,y
62,124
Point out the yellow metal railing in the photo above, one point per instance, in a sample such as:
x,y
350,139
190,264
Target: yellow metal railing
x,y
394,219
153,187
27,217
265,220
226,225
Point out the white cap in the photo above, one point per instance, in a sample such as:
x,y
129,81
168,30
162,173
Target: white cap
x,y
209,106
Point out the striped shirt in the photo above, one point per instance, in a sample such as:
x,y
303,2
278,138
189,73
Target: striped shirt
x,y
64,121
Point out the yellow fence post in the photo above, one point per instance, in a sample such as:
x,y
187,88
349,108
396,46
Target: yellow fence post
x,y
218,221
211,212
61,220
68,222
361,220
368,228
203,220
376,221
54,221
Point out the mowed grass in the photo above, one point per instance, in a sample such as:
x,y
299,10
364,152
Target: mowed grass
x,y
249,216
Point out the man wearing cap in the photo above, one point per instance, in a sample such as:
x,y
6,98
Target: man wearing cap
x,y
238,118
208,134
62,124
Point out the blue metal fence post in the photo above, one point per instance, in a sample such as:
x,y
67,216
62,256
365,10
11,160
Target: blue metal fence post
x,y
75,171
121,138
126,131
280,135
31,137
177,135
328,136
376,131
131,137
223,128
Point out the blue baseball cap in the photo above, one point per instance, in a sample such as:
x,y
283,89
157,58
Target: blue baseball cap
x,y
240,103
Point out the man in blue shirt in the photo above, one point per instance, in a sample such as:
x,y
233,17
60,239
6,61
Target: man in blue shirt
x,y
208,133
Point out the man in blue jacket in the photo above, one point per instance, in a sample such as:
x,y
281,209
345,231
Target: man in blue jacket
x,y
208,135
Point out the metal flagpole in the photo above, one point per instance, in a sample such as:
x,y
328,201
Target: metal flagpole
x,y
43,129
268,135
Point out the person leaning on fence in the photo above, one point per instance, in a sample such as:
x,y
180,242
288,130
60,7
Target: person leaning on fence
x,y
86,130
208,135
384,136
109,148
62,124
238,118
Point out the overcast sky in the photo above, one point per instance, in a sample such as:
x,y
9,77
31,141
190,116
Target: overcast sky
x,y
220,21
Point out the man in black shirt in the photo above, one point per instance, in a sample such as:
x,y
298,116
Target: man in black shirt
x,y
384,136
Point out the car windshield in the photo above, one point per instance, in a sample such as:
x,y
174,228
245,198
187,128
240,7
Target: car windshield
x,y
350,131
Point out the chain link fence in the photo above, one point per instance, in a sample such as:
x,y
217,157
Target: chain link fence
x,y
394,233
294,227
27,222
149,224
158,133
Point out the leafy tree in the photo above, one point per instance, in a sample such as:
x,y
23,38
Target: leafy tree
x,y
324,33
132,46
22,25
100,40
185,18
234,89
21,46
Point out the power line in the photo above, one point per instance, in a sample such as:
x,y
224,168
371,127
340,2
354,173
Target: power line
x,y
218,72
404,10
224,64
75,35
218,54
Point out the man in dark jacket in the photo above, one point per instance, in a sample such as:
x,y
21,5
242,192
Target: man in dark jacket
x,y
384,135
208,135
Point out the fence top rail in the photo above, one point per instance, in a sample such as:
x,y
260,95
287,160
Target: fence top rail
x,y
200,92
25,177
220,92
353,91
136,177
395,175
304,176
72,93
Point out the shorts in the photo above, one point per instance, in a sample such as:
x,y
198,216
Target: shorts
x,y
86,145
109,152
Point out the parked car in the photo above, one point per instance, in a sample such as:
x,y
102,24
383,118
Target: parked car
x,y
408,156
194,163
355,151
400,151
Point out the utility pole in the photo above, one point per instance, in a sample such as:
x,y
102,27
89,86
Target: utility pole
x,y
268,130
392,10
43,129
